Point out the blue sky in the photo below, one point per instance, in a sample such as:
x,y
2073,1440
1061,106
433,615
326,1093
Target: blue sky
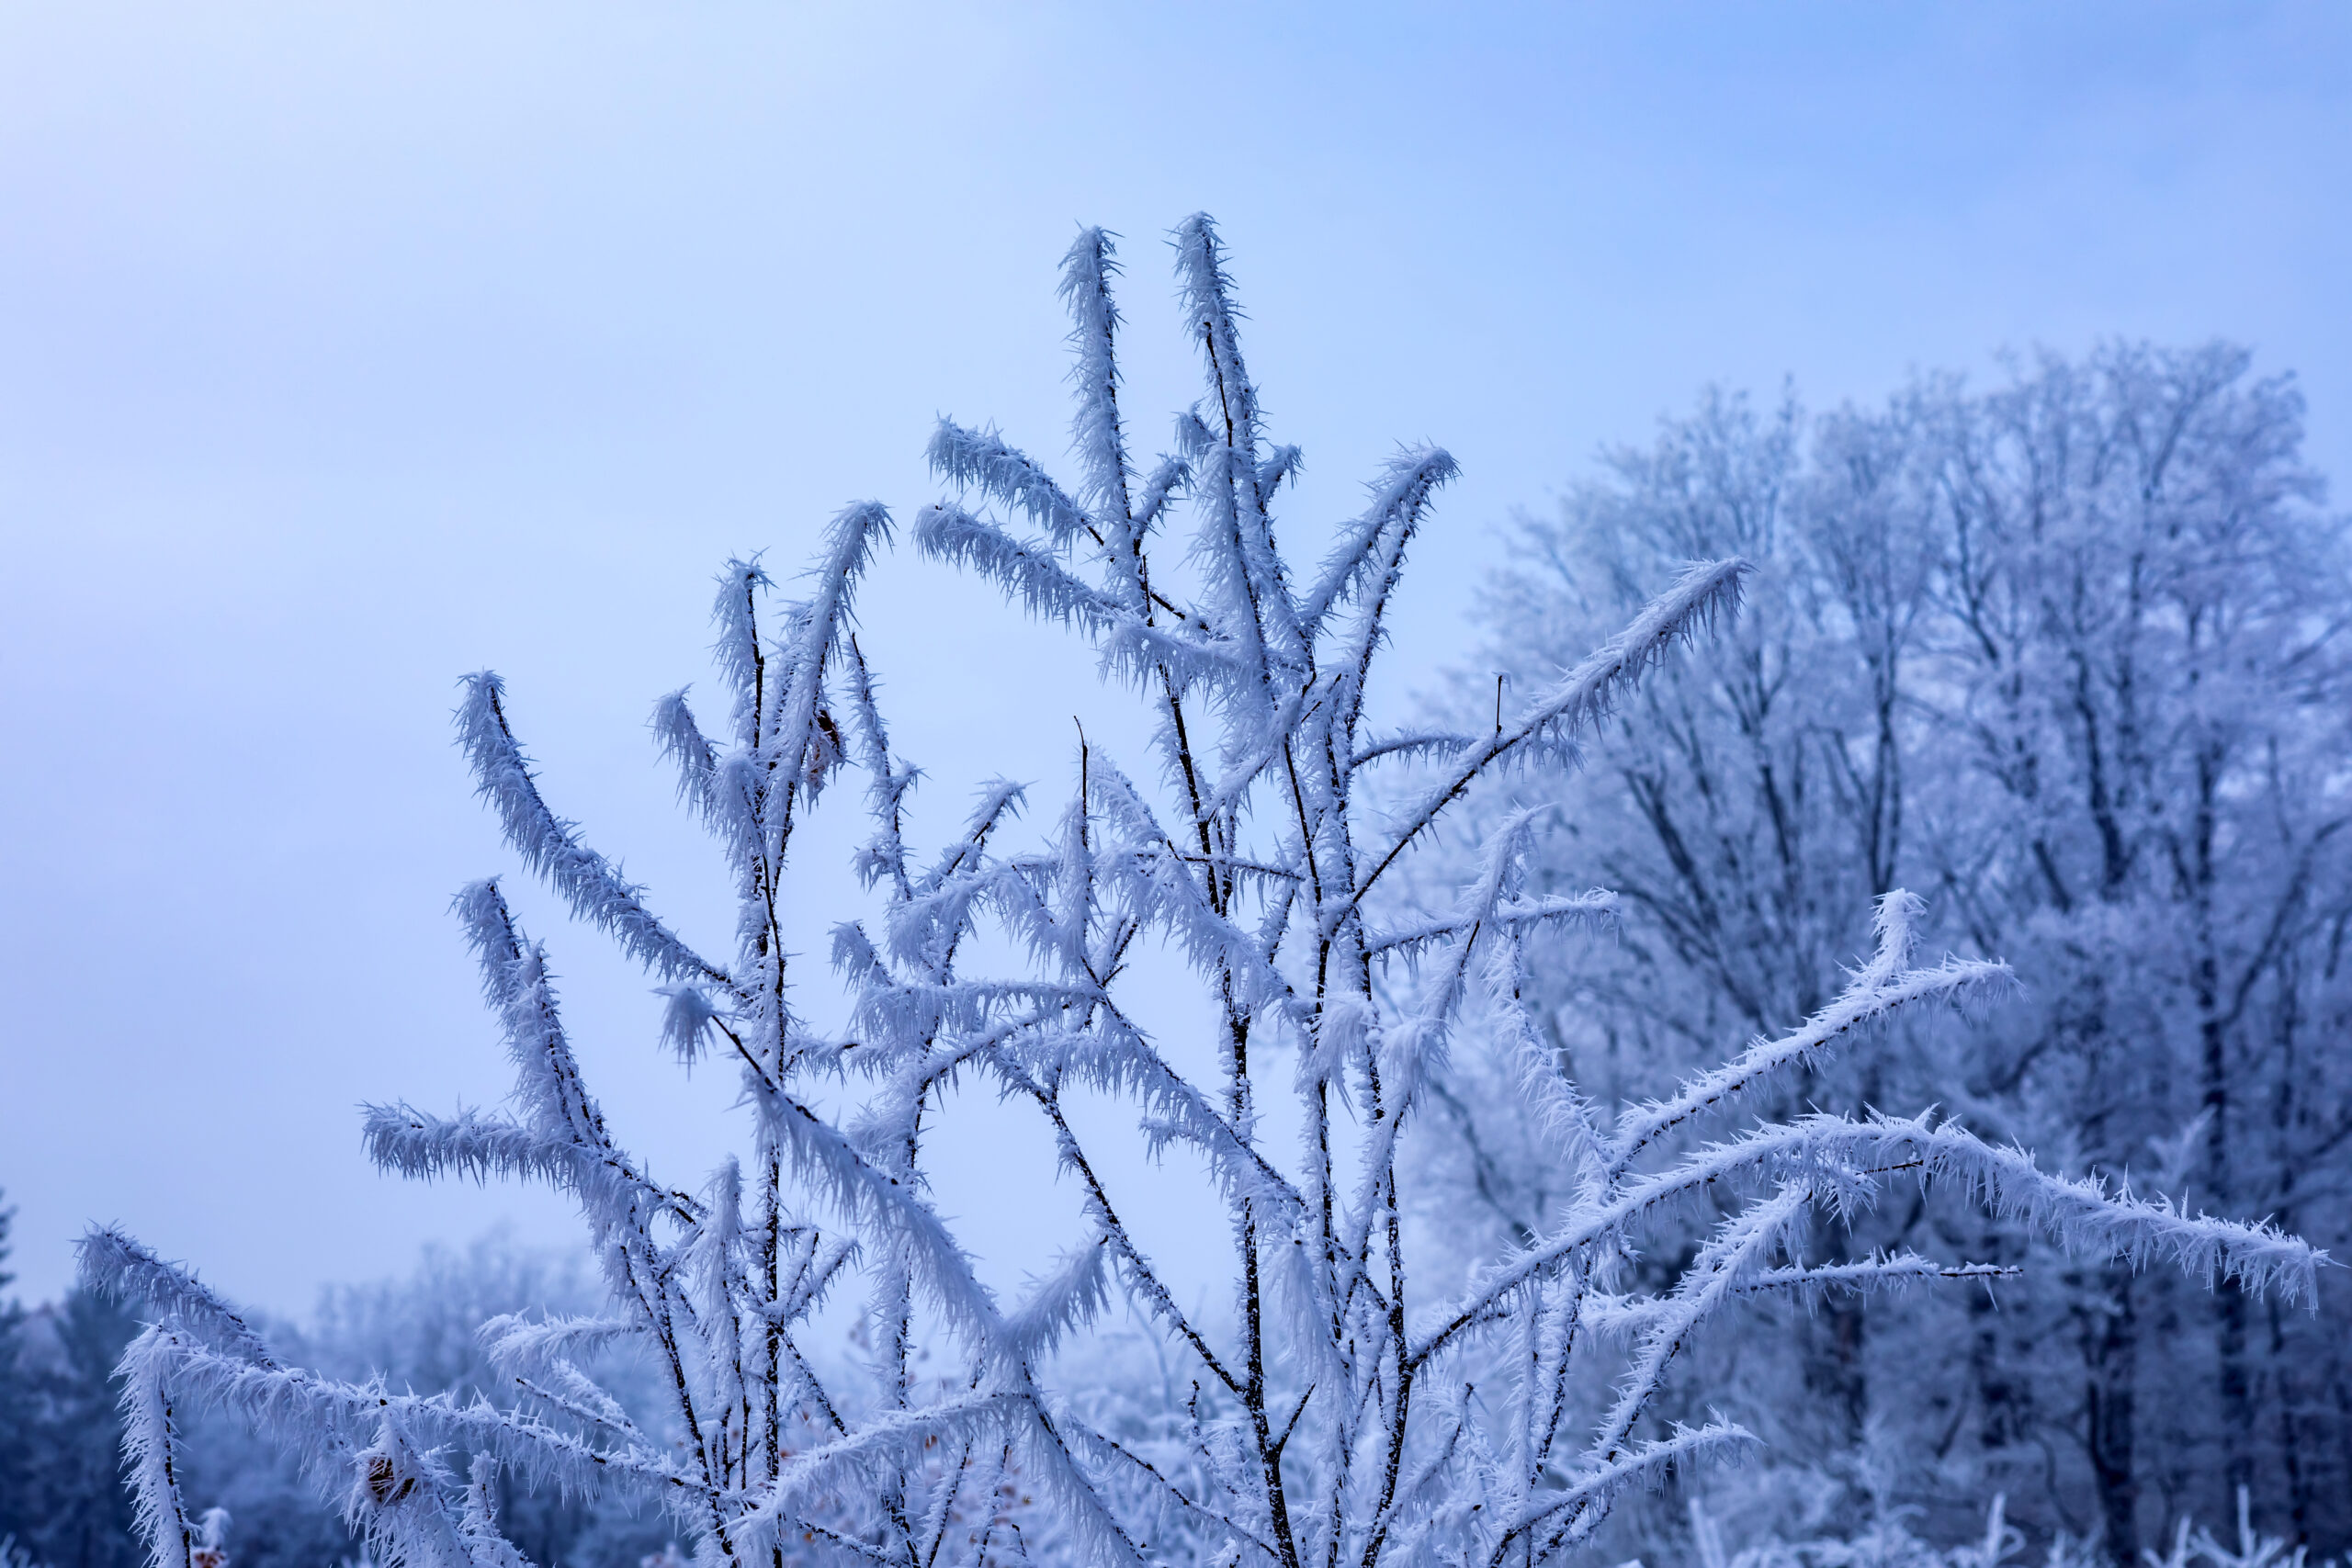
x,y
344,349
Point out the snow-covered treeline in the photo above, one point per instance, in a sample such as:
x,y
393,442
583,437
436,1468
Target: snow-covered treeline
x,y
1358,1398
2067,655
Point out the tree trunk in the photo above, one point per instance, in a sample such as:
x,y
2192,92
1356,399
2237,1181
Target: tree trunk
x,y
2111,1350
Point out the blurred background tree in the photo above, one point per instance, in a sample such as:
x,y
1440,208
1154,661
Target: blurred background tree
x,y
2070,653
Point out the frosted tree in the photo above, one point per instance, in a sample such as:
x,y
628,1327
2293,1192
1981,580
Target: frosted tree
x,y
1343,1407
2069,649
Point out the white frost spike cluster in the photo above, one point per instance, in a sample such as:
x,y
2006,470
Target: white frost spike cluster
x,y
151,1451
1345,1407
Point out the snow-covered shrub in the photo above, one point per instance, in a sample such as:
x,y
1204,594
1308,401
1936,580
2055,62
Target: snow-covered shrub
x,y
1349,1408
418,1332
1888,1541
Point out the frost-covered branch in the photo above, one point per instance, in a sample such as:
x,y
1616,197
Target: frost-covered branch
x,y
1581,697
550,846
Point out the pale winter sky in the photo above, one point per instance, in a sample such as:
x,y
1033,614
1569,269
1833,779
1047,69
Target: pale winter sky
x,y
345,348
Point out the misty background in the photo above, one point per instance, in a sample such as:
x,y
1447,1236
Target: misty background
x,y
343,352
